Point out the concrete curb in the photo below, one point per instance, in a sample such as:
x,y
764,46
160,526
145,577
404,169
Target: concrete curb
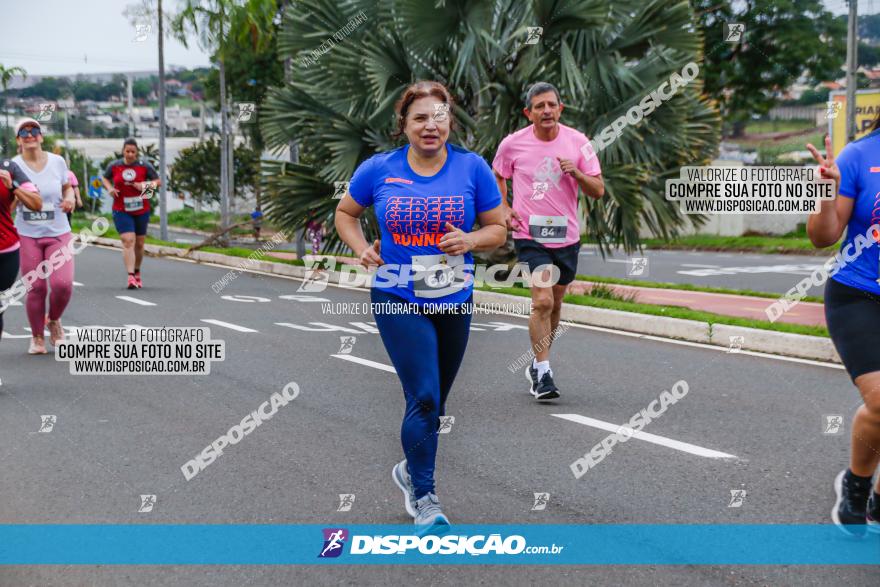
x,y
801,346
196,232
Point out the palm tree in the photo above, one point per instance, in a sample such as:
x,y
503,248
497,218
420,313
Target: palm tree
x,y
6,74
603,55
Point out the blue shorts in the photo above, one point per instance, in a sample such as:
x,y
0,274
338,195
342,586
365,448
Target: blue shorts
x,y
126,222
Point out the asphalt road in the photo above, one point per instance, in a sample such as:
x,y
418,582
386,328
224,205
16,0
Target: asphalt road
x,y
758,272
117,437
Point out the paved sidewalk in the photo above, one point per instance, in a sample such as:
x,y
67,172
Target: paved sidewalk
x,y
808,313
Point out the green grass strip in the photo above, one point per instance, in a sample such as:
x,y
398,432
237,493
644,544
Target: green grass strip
x,y
691,287
674,312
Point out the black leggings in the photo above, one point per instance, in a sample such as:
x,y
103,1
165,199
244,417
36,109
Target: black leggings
x,y
8,273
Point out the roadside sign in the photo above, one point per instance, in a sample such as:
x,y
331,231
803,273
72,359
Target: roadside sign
x,y
95,186
867,108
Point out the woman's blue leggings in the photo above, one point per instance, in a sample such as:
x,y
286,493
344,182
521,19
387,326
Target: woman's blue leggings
x,y
426,350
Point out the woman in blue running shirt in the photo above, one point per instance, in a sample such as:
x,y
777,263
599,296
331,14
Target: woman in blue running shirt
x,y
427,195
852,311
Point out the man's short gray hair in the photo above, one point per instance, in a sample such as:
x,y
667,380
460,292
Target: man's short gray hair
x,y
541,88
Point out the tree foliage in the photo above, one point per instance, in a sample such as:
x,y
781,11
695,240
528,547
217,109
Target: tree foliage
x,y
603,55
196,170
783,39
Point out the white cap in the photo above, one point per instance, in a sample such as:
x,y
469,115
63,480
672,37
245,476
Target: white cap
x,y
26,122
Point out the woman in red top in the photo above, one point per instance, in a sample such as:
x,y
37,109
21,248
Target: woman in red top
x,y
13,184
131,182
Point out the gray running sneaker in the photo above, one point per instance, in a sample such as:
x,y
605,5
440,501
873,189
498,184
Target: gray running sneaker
x,y
401,477
532,376
428,512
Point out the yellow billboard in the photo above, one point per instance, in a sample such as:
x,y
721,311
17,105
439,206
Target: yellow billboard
x,y
867,108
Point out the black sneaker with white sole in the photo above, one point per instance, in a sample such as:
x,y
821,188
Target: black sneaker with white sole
x,y
532,375
546,389
872,516
850,509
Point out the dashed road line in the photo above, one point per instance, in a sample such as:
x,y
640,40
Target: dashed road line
x,y
228,325
135,301
648,437
367,362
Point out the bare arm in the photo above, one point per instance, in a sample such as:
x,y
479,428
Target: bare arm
x,y
502,187
826,227
509,215
592,185
108,185
68,200
30,200
348,226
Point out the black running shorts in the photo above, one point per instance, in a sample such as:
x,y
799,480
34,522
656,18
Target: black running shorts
x,y
535,254
853,317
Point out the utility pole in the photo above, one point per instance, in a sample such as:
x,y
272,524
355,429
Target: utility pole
x,y
130,96
852,60
293,149
66,141
230,166
163,204
201,121
224,159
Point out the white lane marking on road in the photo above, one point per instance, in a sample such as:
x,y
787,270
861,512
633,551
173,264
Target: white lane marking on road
x,y
228,325
720,349
135,301
319,327
10,335
77,284
648,437
369,327
616,261
699,265
367,362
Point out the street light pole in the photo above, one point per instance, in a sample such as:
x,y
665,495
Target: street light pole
x,y
163,204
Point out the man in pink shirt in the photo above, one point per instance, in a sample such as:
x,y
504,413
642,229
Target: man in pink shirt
x,y
547,162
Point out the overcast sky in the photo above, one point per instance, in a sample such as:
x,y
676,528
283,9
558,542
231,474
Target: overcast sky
x,y
48,37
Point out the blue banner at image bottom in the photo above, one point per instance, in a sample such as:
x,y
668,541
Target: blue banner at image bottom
x,y
256,544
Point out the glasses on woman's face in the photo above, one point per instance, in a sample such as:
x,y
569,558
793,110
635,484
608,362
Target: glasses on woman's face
x,y
29,132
